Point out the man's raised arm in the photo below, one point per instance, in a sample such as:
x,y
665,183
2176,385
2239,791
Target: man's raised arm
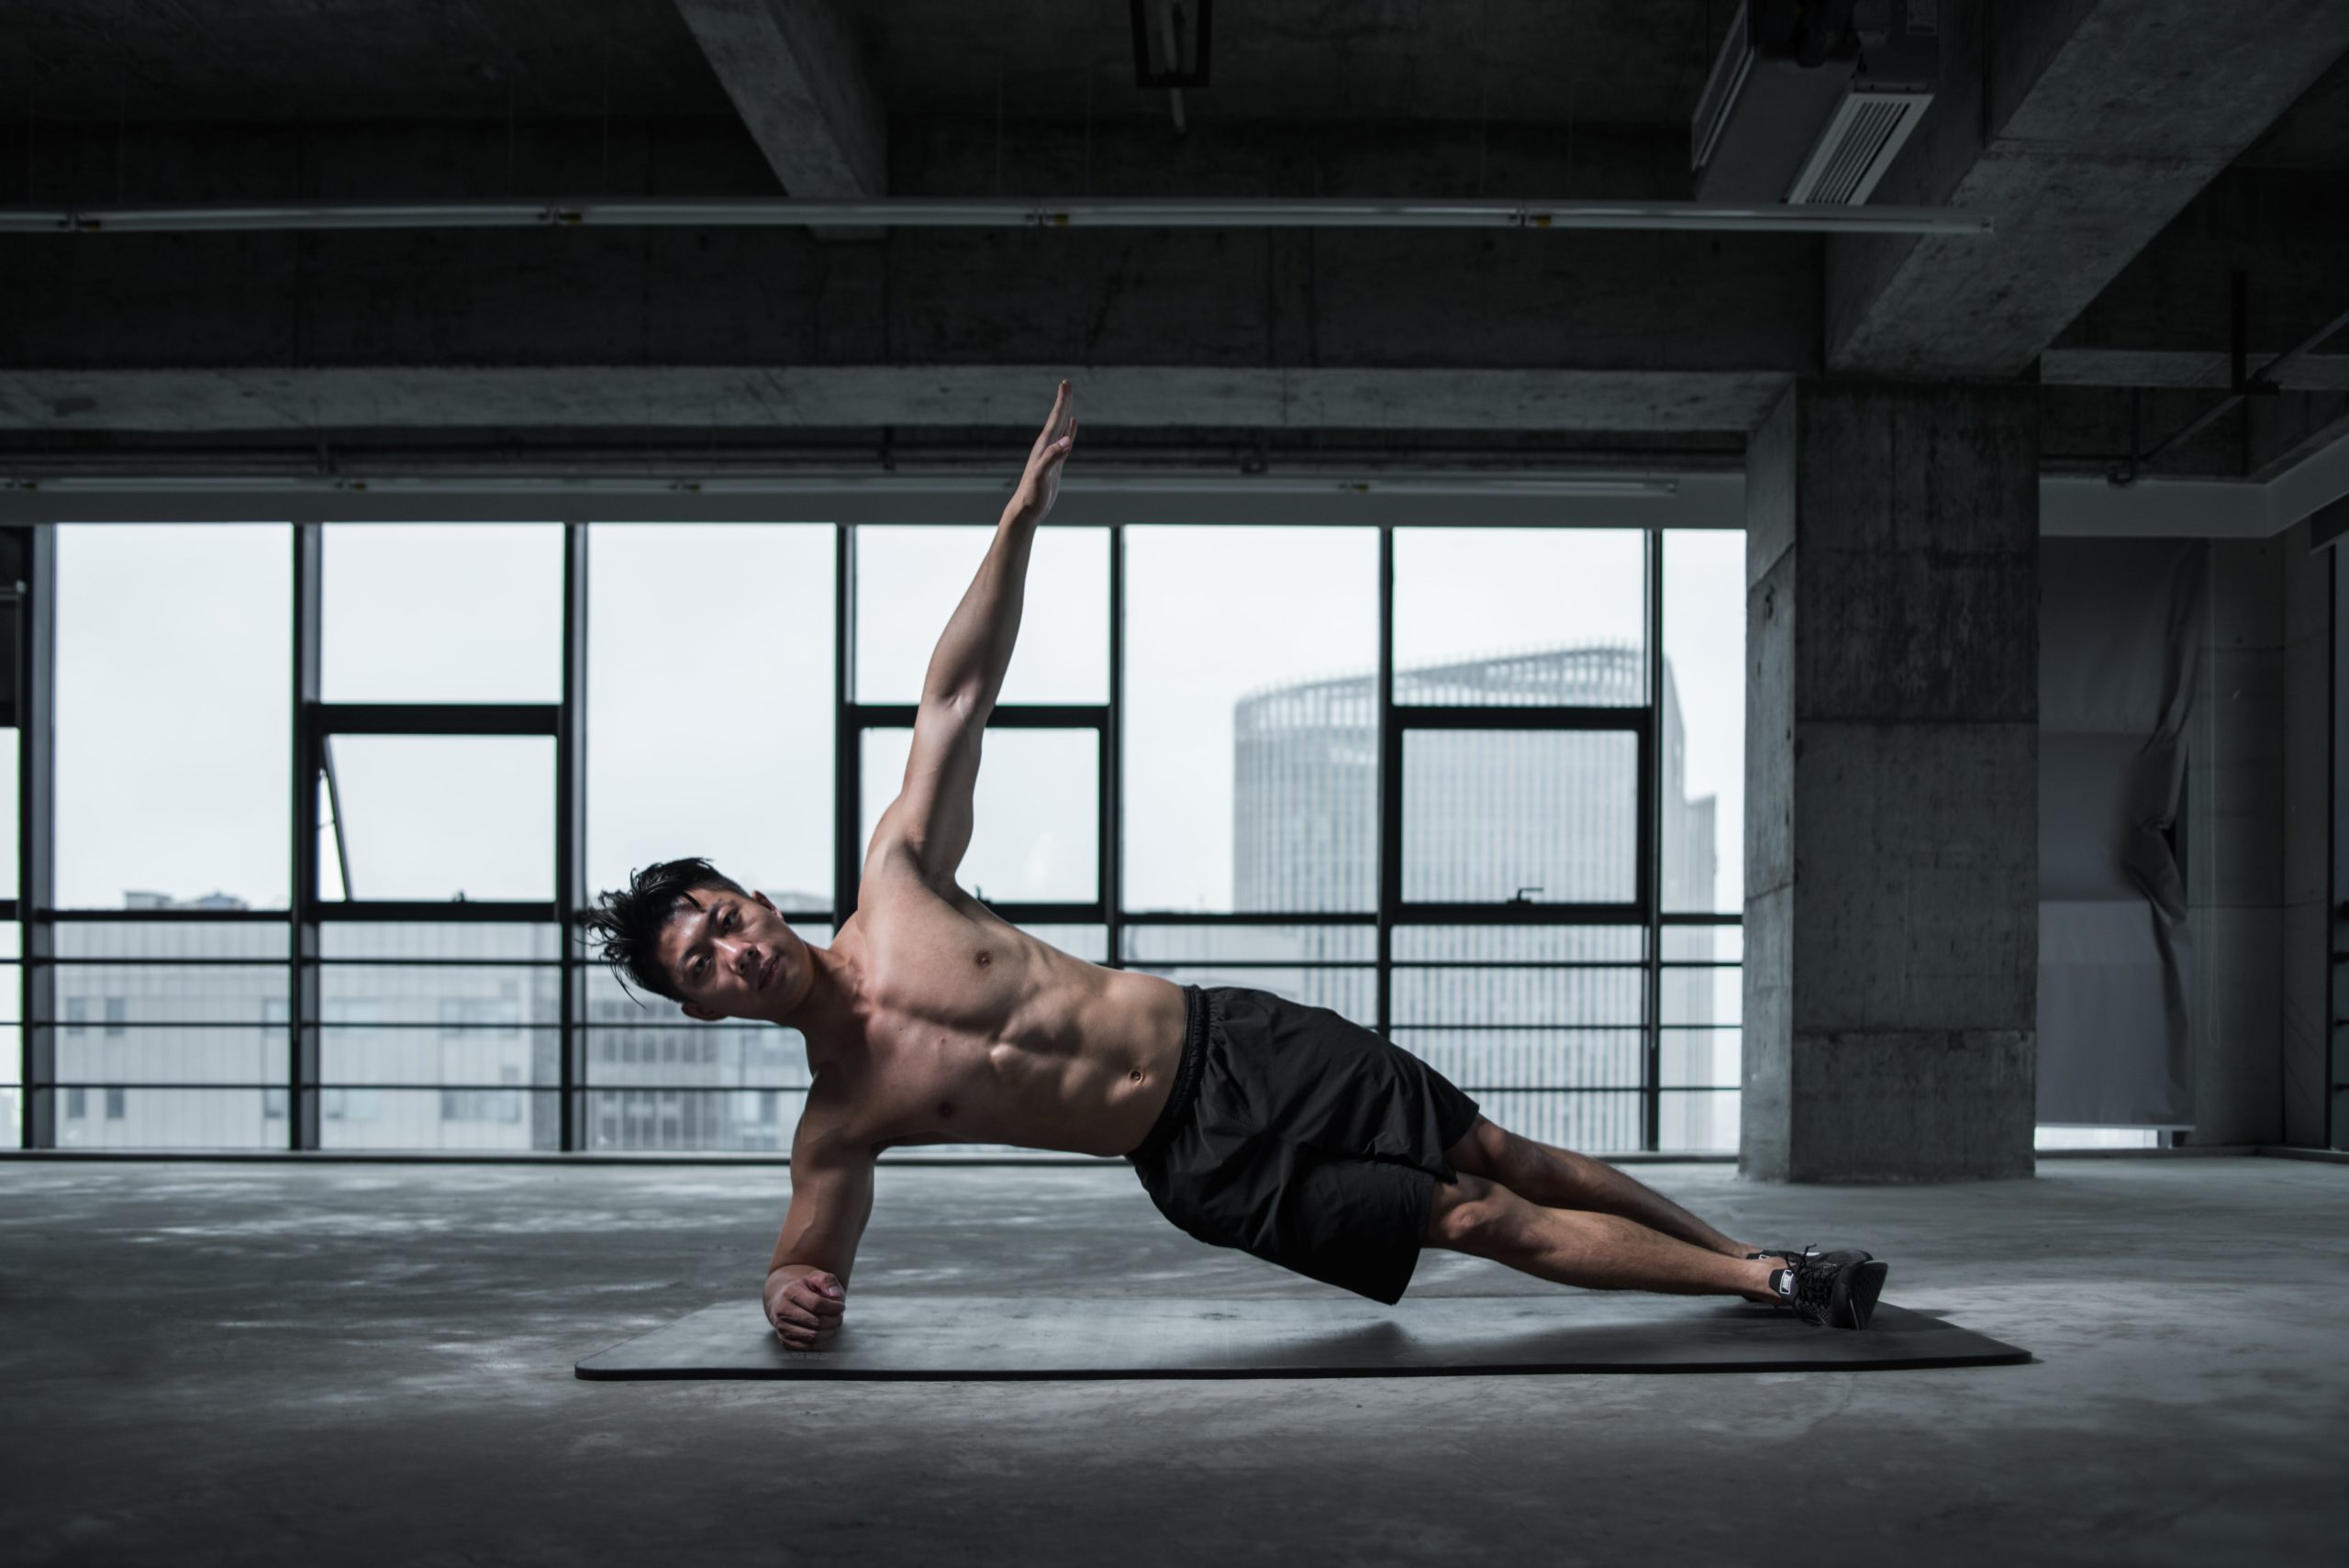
x,y
974,651
932,814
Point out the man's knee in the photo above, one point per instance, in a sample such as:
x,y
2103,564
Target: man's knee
x,y
1483,1151
1470,1215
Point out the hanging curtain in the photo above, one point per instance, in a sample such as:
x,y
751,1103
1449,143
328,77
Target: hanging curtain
x,y
2120,629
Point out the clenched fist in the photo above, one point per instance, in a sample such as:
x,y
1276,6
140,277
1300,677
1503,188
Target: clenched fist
x,y
805,1309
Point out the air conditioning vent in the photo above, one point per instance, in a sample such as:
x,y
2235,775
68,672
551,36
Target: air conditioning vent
x,y
1804,104
1858,145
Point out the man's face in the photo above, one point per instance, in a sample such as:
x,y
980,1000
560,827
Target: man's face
x,y
731,955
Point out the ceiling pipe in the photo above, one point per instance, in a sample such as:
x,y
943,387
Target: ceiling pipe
x,y
926,212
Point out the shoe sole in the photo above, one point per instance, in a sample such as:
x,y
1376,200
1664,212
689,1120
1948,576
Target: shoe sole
x,y
1867,1284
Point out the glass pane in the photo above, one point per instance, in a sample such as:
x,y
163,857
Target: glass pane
x,y
1090,944
748,1121
1699,1058
1704,944
209,1053
1713,994
1701,1121
909,580
477,1057
97,998
472,996
1478,614
1353,993
746,690
172,939
435,817
1589,1121
1703,756
173,696
1488,998
1035,832
1251,711
1273,944
708,1056
517,941
1490,815
8,874
1482,1061
1520,944
171,1119
470,1118
442,612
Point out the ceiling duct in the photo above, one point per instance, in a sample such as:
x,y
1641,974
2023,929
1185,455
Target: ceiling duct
x,y
1811,101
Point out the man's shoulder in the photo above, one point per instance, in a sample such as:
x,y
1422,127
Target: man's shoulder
x,y
827,1131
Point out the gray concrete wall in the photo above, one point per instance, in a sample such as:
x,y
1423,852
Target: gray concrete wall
x,y
1892,783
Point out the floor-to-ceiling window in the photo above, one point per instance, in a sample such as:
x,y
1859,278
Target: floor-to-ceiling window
x,y
321,791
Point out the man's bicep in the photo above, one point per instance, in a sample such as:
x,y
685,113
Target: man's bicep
x,y
831,1197
932,813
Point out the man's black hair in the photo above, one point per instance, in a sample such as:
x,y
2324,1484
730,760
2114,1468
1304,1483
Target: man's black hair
x,y
630,920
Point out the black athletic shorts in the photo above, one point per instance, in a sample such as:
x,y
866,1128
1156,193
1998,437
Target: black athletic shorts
x,y
1299,1136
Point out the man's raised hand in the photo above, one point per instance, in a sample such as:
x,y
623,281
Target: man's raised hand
x,y
1041,483
806,1309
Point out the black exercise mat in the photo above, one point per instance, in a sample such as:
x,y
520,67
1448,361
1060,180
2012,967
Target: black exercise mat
x,y
989,1338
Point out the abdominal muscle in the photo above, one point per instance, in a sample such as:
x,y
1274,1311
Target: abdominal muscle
x,y
977,1032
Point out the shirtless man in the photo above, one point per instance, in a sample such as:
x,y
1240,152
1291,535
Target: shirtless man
x,y
1253,1121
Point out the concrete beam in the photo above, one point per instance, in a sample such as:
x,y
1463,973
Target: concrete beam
x,y
2178,368
798,81
269,399
1386,299
2086,126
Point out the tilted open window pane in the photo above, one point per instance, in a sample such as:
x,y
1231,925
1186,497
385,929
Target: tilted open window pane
x,y
697,1056
1250,718
1544,815
440,816
712,735
910,578
249,1055
1521,616
442,612
173,714
1702,759
734,1120
486,1119
1036,833
99,1117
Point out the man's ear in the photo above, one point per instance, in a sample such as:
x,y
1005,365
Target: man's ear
x,y
695,1010
762,898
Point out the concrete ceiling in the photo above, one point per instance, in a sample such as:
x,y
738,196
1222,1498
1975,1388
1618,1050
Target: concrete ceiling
x,y
1618,63
2313,133
2140,152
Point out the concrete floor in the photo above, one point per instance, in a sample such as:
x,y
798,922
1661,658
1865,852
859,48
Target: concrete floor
x,y
367,1363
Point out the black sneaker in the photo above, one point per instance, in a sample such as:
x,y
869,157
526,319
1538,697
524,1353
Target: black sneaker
x,y
1832,1289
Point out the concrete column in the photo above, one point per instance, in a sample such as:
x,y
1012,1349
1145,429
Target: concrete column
x,y
1892,789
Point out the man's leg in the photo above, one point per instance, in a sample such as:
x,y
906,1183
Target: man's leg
x,y
1561,1179
1597,1251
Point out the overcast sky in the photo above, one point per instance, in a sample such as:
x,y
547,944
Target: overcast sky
x,y
710,689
